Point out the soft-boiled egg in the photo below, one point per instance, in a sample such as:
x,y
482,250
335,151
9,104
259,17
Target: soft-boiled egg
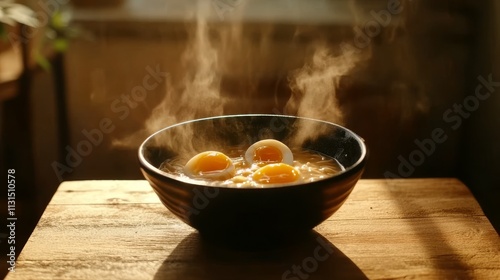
x,y
268,151
276,173
210,165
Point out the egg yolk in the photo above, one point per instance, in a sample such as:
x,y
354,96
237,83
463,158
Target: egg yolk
x,y
276,173
211,162
268,154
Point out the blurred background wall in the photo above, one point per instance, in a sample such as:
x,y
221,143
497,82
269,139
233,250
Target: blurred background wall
x,y
416,71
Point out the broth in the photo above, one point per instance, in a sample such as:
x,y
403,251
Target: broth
x,y
312,166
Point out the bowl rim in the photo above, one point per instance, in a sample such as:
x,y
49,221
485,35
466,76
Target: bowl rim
x,y
359,164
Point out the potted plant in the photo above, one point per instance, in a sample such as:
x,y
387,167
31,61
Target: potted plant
x,y
12,16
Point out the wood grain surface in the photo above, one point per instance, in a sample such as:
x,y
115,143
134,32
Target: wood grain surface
x,y
397,229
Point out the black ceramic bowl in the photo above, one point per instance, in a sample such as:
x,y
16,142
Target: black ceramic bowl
x,y
253,213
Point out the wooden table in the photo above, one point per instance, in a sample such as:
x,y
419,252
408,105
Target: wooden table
x,y
411,228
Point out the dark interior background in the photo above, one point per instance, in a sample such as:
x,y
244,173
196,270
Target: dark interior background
x,y
427,60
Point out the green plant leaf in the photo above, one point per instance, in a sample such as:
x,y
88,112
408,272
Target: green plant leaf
x,y
43,62
58,21
60,44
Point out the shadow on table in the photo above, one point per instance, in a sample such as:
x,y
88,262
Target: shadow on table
x,y
310,257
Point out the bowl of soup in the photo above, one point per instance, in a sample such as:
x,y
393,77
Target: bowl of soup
x,y
253,177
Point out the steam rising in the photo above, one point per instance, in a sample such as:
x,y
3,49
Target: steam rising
x,y
197,97
314,87
206,60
